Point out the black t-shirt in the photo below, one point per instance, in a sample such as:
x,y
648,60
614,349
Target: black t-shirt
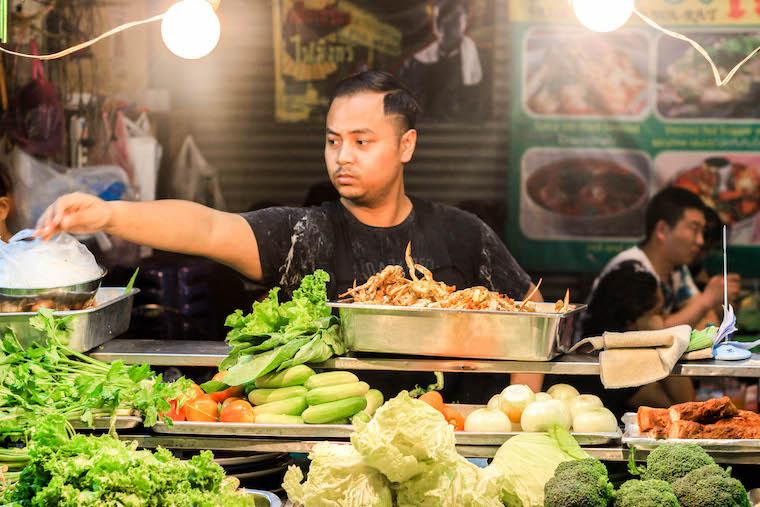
x,y
457,246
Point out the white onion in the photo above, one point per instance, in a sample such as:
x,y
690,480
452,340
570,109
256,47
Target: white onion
x,y
497,403
516,398
487,420
598,420
583,403
543,396
562,391
542,415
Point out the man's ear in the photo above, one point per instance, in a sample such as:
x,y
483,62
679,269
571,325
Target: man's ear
x,y
407,145
661,229
6,205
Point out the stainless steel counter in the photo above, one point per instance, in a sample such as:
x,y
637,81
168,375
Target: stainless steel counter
x,y
205,353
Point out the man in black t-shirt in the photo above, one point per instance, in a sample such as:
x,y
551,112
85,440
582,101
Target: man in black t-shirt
x,y
369,138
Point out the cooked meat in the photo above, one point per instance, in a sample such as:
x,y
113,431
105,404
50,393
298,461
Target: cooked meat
x,y
652,418
704,412
744,425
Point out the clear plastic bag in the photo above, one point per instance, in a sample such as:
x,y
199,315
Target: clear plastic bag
x,y
35,264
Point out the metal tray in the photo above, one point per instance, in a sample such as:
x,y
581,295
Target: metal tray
x,y
89,328
633,438
70,297
123,422
476,334
342,431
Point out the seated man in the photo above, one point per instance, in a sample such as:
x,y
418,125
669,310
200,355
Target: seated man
x,y
6,202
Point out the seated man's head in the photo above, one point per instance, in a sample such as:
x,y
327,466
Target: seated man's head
x,y
370,136
449,24
6,201
675,223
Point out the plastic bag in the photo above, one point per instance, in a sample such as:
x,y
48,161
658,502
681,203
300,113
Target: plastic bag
x,y
36,264
37,184
144,155
195,179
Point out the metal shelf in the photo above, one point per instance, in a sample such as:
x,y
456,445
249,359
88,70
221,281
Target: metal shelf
x,y
209,353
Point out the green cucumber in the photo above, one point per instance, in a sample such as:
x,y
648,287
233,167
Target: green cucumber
x,y
278,419
334,393
374,401
331,378
361,416
262,396
294,376
290,406
327,412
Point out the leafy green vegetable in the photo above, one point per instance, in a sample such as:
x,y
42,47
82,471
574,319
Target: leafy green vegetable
x,y
436,386
265,340
404,437
131,282
702,339
337,476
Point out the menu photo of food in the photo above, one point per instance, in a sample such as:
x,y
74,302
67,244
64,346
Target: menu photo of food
x,y
583,193
686,85
727,182
571,73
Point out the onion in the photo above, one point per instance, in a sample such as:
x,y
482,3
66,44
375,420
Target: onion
x,y
487,420
497,403
542,415
516,398
597,420
543,397
562,392
583,403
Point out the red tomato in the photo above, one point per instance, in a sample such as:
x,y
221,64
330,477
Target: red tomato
x,y
239,411
230,400
197,391
232,391
202,409
174,413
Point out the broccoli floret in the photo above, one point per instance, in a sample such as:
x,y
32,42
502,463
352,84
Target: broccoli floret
x,y
673,461
651,493
579,483
710,486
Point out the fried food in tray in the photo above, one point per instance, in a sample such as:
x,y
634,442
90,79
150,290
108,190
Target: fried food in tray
x,y
391,287
713,419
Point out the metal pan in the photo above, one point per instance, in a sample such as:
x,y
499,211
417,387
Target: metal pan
x,y
342,431
70,297
122,422
633,438
444,332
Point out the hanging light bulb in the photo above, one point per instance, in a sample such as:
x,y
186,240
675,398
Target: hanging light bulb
x,y
602,15
191,29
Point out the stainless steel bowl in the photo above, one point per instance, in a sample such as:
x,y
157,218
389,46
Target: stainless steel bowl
x,y
70,297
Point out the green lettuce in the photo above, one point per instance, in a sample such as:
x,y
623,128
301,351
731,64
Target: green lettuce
x,y
338,476
404,438
702,339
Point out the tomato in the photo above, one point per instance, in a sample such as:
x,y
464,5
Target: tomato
x,y
202,409
453,417
174,413
197,391
434,399
237,412
232,391
230,400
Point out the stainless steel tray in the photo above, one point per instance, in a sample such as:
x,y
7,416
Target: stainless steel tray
x,y
342,431
633,438
476,334
70,297
123,422
91,327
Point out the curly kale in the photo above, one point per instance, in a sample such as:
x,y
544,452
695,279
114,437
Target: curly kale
x,y
579,483
710,486
650,493
673,461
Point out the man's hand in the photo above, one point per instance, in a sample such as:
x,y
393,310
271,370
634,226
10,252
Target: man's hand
x,y
713,293
75,213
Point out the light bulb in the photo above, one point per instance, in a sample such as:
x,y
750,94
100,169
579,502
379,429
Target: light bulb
x,y
190,29
602,15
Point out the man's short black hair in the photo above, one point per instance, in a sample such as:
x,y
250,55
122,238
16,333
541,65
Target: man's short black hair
x,y
6,185
669,205
399,99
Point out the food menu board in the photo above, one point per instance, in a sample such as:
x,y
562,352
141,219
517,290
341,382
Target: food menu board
x,y
601,122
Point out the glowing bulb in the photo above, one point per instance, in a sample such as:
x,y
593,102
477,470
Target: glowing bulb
x,y
603,15
191,29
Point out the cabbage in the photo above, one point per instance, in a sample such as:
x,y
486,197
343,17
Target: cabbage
x,y
405,438
338,477
527,462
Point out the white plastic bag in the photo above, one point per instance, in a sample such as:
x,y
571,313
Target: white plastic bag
x,y
145,155
195,179
38,264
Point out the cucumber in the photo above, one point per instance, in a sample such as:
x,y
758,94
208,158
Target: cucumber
x,y
294,376
361,416
290,406
278,419
262,396
374,401
331,378
326,412
344,420
322,395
